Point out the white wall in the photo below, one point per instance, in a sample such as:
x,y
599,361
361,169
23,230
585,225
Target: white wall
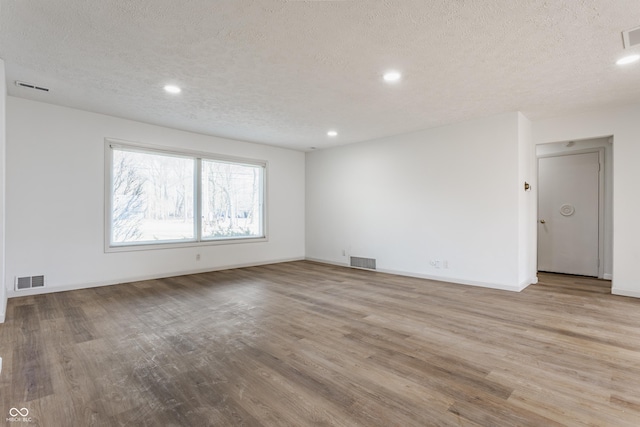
x,y
3,97
528,205
624,124
55,200
450,194
561,147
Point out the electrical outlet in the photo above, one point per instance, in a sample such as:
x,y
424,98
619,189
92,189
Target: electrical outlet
x,y
445,264
197,257
344,252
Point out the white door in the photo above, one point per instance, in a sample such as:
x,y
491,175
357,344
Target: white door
x,y
568,195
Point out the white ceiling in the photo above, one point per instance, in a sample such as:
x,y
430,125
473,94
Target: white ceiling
x,y
284,72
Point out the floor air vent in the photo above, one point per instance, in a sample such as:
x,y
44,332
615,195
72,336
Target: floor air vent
x,y
29,282
368,263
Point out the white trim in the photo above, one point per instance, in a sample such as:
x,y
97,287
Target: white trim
x,y
3,300
338,264
607,276
527,282
625,292
197,199
162,149
183,244
107,219
73,287
458,281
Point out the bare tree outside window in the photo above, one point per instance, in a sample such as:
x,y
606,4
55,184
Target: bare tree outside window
x,y
231,200
154,198
128,199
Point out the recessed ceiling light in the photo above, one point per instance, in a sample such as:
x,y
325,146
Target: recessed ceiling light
x,y
332,133
172,89
392,76
628,59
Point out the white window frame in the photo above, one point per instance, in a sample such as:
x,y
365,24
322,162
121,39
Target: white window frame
x,y
198,156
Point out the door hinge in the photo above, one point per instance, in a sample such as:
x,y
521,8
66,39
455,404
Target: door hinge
x,y
599,167
598,263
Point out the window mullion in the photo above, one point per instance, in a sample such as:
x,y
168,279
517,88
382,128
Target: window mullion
x,y
197,199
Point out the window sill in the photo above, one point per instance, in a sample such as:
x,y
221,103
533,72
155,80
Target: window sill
x,y
165,245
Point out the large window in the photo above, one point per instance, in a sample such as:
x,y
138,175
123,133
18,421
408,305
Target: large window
x,y
158,197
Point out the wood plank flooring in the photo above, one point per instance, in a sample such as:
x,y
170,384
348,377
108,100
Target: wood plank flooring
x,y
306,344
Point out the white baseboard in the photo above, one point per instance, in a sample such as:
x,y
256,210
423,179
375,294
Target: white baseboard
x,y
456,280
3,304
437,278
85,285
625,292
607,276
530,281
324,261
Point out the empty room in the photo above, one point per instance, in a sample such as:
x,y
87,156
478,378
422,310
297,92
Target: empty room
x,y
333,213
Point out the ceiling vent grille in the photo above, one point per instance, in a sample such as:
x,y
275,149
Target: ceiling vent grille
x,y
631,37
368,263
31,86
28,282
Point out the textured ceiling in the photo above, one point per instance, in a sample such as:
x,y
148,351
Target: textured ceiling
x,y
284,72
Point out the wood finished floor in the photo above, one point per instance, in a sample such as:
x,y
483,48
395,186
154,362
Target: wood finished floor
x,y
301,344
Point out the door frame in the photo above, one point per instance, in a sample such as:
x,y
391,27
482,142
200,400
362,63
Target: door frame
x,y
601,189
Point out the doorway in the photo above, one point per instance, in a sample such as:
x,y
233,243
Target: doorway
x,y
574,207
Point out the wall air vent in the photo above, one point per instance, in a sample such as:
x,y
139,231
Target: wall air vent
x,y
368,263
31,86
631,38
28,282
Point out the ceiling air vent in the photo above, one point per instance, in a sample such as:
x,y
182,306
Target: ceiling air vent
x,y
631,37
31,86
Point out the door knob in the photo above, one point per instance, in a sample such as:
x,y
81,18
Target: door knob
x,y
542,221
